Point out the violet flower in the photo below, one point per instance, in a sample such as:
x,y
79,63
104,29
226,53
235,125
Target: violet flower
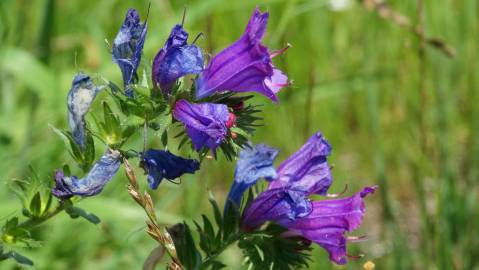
x,y
99,175
80,97
253,164
307,170
128,46
244,66
176,59
159,164
328,222
205,123
286,201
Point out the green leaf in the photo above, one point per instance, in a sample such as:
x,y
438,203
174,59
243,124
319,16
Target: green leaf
x,y
188,254
164,138
36,205
19,258
76,212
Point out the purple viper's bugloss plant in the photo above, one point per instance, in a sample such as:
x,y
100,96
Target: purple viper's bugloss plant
x,y
128,46
244,66
98,176
205,123
159,164
176,59
80,97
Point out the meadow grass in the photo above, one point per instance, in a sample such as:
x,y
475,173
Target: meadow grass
x,y
398,114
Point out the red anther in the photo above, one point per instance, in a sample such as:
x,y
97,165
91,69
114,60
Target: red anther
x,y
234,135
335,195
280,51
231,120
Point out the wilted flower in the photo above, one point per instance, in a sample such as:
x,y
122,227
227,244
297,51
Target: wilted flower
x,y
159,164
99,175
127,47
205,123
175,60
244,66
253,164
79,99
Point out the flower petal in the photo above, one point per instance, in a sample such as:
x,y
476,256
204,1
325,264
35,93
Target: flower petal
x,y
253,164
128,46
205,123
159,164
100,174
176,59
307,169
329,220
243,66
80,97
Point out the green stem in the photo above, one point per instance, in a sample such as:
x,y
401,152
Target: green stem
x,y
35,221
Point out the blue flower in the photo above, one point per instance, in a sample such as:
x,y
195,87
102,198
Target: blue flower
x,y
99,175
159,164
176,59
127,48
80,97
253,164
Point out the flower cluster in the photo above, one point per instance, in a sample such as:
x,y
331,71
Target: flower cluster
x,y
287,201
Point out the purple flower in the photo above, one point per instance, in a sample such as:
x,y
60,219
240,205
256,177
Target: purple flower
x,y
323,222
159,164
175,60
205,123
127,47
244,66
100,174
307,170
253,164
80,97
329,220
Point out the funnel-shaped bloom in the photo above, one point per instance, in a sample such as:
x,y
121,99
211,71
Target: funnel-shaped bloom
x,y
253,164
79,99
99,175
176,59
205,123
244,66
307,170
159,164
328,222
127,47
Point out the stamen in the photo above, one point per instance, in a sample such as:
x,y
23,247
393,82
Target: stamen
x,y
356,239
184,16
354,257
280,51
335,195
197,37
279,84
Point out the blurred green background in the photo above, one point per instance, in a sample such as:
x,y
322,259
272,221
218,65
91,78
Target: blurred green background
x,y
397,115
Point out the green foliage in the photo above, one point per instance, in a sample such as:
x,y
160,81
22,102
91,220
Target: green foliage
x,y
267,249
34,194
76,212
84,158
